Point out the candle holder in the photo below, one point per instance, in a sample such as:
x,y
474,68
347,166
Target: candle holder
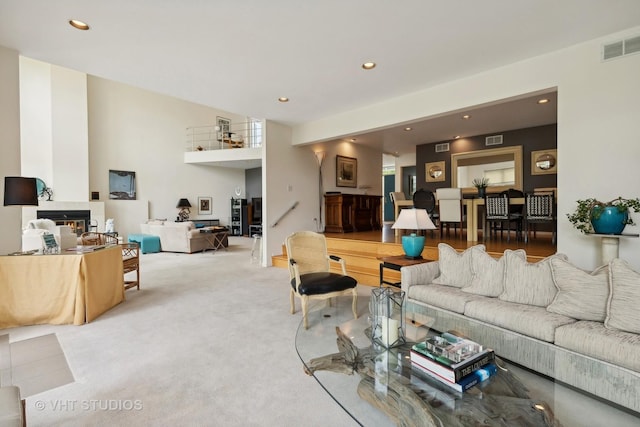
x,y
387,317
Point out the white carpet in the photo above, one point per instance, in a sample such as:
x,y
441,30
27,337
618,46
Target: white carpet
x,y
208,340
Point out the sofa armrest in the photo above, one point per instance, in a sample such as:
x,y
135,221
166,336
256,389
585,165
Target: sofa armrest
x,y
419,274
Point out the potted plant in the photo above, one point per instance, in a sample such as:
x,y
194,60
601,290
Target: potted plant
x,y
481,184
594,216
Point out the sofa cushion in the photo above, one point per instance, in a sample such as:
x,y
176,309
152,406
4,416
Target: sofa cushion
x,y
581,295
595,340
447,297
528,283
488,273
624,297
528,320
455,268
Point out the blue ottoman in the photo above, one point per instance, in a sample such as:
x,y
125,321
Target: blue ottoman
x,y
148,243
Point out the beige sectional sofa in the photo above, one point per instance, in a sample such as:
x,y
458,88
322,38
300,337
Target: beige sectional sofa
x,y
581,328
179,236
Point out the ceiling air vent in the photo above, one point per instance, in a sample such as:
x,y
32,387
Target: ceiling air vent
x,y
440,148
621,48
493,140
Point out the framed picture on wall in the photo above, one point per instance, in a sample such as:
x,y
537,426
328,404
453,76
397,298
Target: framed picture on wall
x,y
346,172
544,162
224,128
204,205
435,171
122,185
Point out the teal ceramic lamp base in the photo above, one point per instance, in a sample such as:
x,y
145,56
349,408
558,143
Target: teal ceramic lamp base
x,y
412,246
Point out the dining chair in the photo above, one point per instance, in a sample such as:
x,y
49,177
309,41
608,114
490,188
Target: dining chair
x,y
498,212
450,209
425,199
539,208
310,275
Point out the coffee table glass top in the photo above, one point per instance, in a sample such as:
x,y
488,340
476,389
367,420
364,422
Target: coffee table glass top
x,y
509,398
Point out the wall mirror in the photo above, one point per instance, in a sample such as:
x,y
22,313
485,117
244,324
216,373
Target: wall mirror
x,y
502,166
435,171
544,162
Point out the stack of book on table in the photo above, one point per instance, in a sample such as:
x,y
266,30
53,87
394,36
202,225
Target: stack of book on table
x,y
456,362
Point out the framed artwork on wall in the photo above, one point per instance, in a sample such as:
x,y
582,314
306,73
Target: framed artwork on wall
x,y
346,172
544,162
122,185
224,126
435,171
204,205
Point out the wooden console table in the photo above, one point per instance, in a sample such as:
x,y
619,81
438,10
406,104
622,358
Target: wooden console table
x,y
60,289
345,213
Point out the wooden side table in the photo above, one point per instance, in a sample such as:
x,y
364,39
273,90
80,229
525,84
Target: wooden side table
x,y
395,263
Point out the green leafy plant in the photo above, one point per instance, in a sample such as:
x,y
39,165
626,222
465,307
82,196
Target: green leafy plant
x,y
589,209
480,182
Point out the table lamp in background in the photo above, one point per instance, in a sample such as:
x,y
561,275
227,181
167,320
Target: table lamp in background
x,y
413,219
184,206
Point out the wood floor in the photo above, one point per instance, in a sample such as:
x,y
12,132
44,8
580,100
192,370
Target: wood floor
x,y
362,250
540,246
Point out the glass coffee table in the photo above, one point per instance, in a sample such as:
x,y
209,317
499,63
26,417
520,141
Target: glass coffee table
x,y
393,394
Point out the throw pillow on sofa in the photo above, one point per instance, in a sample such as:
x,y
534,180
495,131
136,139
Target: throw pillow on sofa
x,y
528,283
455,268
488,273
581,295
624,295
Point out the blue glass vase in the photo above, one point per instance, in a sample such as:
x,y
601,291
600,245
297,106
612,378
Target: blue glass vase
x,y
412,246
610,221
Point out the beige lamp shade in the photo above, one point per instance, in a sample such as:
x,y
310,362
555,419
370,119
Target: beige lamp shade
x,y
413,219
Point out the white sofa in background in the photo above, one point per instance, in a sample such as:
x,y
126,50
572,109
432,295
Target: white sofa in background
x,y
581,328
32,235
179,236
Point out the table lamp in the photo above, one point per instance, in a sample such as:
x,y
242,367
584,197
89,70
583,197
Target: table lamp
x,y
184,206
20,191
413,219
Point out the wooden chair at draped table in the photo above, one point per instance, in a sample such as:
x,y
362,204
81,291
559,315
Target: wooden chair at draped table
x,y
130,255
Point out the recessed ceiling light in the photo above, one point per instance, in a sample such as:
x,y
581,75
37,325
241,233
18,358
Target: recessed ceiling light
x,y
408,128
369,65
456,137
352,140
75,23
466,116
543,101
283,99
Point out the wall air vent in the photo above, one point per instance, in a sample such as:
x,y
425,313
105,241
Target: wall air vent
x,y
441,148
621,48
493,140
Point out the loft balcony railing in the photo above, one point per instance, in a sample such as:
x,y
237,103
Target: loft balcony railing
x,y
211,137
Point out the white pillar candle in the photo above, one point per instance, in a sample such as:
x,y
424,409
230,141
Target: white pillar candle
x,y
389,331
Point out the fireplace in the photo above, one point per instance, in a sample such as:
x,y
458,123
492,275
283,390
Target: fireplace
x,y
77,220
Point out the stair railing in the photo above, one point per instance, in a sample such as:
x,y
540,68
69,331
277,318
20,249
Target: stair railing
x,y
285,213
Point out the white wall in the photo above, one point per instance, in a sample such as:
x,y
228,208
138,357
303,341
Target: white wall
x,y
290,174
136,130
10,216
53,106
598,126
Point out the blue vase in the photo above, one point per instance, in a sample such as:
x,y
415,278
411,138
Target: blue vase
x,y
412,246
611,220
